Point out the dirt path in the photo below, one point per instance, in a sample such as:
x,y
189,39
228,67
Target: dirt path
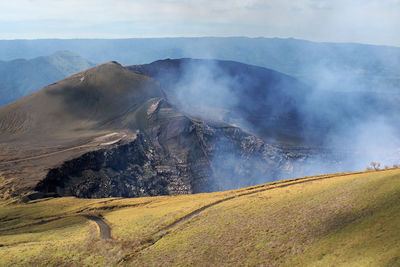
x,y
96,143
250,191
46,154
104,228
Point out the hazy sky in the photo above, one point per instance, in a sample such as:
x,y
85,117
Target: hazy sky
x,y
365,21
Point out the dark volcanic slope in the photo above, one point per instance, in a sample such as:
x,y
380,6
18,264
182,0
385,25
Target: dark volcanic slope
x,y
263,101
110,132
21,77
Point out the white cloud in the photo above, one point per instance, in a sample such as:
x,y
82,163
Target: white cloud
x,y
369,21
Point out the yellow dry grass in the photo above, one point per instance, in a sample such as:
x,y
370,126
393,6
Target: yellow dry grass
x,y
344,220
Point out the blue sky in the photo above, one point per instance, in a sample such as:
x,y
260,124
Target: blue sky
x,y
364,21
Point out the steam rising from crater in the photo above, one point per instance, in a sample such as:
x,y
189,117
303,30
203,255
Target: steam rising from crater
x,y
342,121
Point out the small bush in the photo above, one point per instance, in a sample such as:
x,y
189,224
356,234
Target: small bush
x,y
375,165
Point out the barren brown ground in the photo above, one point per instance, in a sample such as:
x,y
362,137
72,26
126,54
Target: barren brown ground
x,y
65,120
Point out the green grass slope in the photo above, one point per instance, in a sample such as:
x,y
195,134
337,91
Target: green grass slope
x,y
348,219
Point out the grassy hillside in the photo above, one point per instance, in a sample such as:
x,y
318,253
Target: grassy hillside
x,y
348,219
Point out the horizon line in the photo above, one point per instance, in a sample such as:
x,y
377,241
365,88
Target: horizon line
x,y
196,37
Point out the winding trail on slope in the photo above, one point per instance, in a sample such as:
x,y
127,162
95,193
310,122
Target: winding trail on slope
x,y
104,228
47,154
250,191
90,144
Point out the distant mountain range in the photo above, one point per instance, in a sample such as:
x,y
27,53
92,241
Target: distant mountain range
x,y
20,77
336,66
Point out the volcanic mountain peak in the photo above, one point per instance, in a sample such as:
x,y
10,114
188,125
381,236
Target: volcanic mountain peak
x,y
57,141
82,101
111,82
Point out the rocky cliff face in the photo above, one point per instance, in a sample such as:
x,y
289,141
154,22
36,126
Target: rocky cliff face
x,y
124,170
173,155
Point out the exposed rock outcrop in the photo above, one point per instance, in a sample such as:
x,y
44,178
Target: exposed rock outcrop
x,y
173,155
